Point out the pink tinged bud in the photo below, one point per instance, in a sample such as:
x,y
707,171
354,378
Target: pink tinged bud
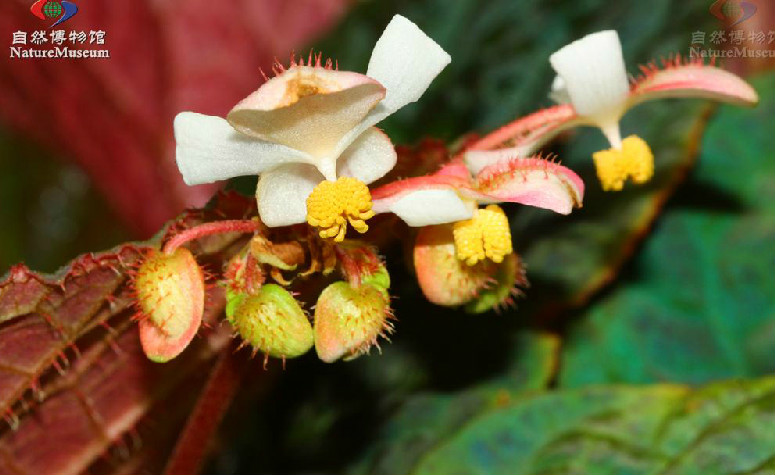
x,y
159,347
349,320
170,294
509,281
273,322
443,278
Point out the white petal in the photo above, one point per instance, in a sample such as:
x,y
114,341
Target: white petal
x,y
595,78
559,93
405,61
317,108
369,158
209,149
282,194
433,206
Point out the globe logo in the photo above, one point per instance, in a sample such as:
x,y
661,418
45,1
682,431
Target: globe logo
x,y
732,12
60,11
52,9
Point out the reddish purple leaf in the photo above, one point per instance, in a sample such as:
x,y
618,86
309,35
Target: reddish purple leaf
x,y
114,116
75,384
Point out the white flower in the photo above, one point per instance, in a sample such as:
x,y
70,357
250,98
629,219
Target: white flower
x,y
311,124
591,76
592,88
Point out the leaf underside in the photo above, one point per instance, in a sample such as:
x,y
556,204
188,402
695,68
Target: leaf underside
x,y
76,389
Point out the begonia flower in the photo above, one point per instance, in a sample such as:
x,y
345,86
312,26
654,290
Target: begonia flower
x,y
309,133
454,193
593,89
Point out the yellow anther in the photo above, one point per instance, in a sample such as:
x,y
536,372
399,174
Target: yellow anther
x,y
639,159
611,170
615,166
487,234
332,204
469,242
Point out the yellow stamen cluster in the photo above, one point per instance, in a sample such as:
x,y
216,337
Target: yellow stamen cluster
x,y
332,204
487,234
634,161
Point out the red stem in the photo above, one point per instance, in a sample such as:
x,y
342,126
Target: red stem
x,y
208,229
191,448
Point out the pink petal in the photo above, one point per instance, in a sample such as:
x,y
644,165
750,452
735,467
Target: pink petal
x,y
690,79
530,132
530,181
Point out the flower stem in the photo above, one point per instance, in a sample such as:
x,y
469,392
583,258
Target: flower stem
x,y
208,229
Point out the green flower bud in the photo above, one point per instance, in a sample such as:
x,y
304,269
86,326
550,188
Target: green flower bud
x,y
509,278
379,279
272,322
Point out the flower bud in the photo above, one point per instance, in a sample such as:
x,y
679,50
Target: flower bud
x,y
243,274
170,296
348,320
158,346
509,279
361,264
443,278
272,321
379,279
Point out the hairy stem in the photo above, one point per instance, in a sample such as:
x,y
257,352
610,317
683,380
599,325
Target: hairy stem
x,y
191,448
208,229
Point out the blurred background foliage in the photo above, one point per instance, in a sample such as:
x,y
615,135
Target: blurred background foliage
x,y
666,284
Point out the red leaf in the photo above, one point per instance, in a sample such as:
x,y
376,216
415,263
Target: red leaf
x,y
114,116
74,381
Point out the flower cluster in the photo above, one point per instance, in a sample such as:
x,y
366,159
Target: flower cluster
x,y
309,134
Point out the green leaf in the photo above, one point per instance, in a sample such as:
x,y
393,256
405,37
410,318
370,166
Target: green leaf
x,y
701,306
425,420
723,428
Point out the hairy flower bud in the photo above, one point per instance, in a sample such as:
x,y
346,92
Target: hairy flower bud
x,y
170,296
379,279
349,320
273,322
509,279
443,278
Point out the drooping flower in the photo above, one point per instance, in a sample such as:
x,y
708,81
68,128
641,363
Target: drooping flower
x,y
454,193
309,133
593,89
592,77
462,250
